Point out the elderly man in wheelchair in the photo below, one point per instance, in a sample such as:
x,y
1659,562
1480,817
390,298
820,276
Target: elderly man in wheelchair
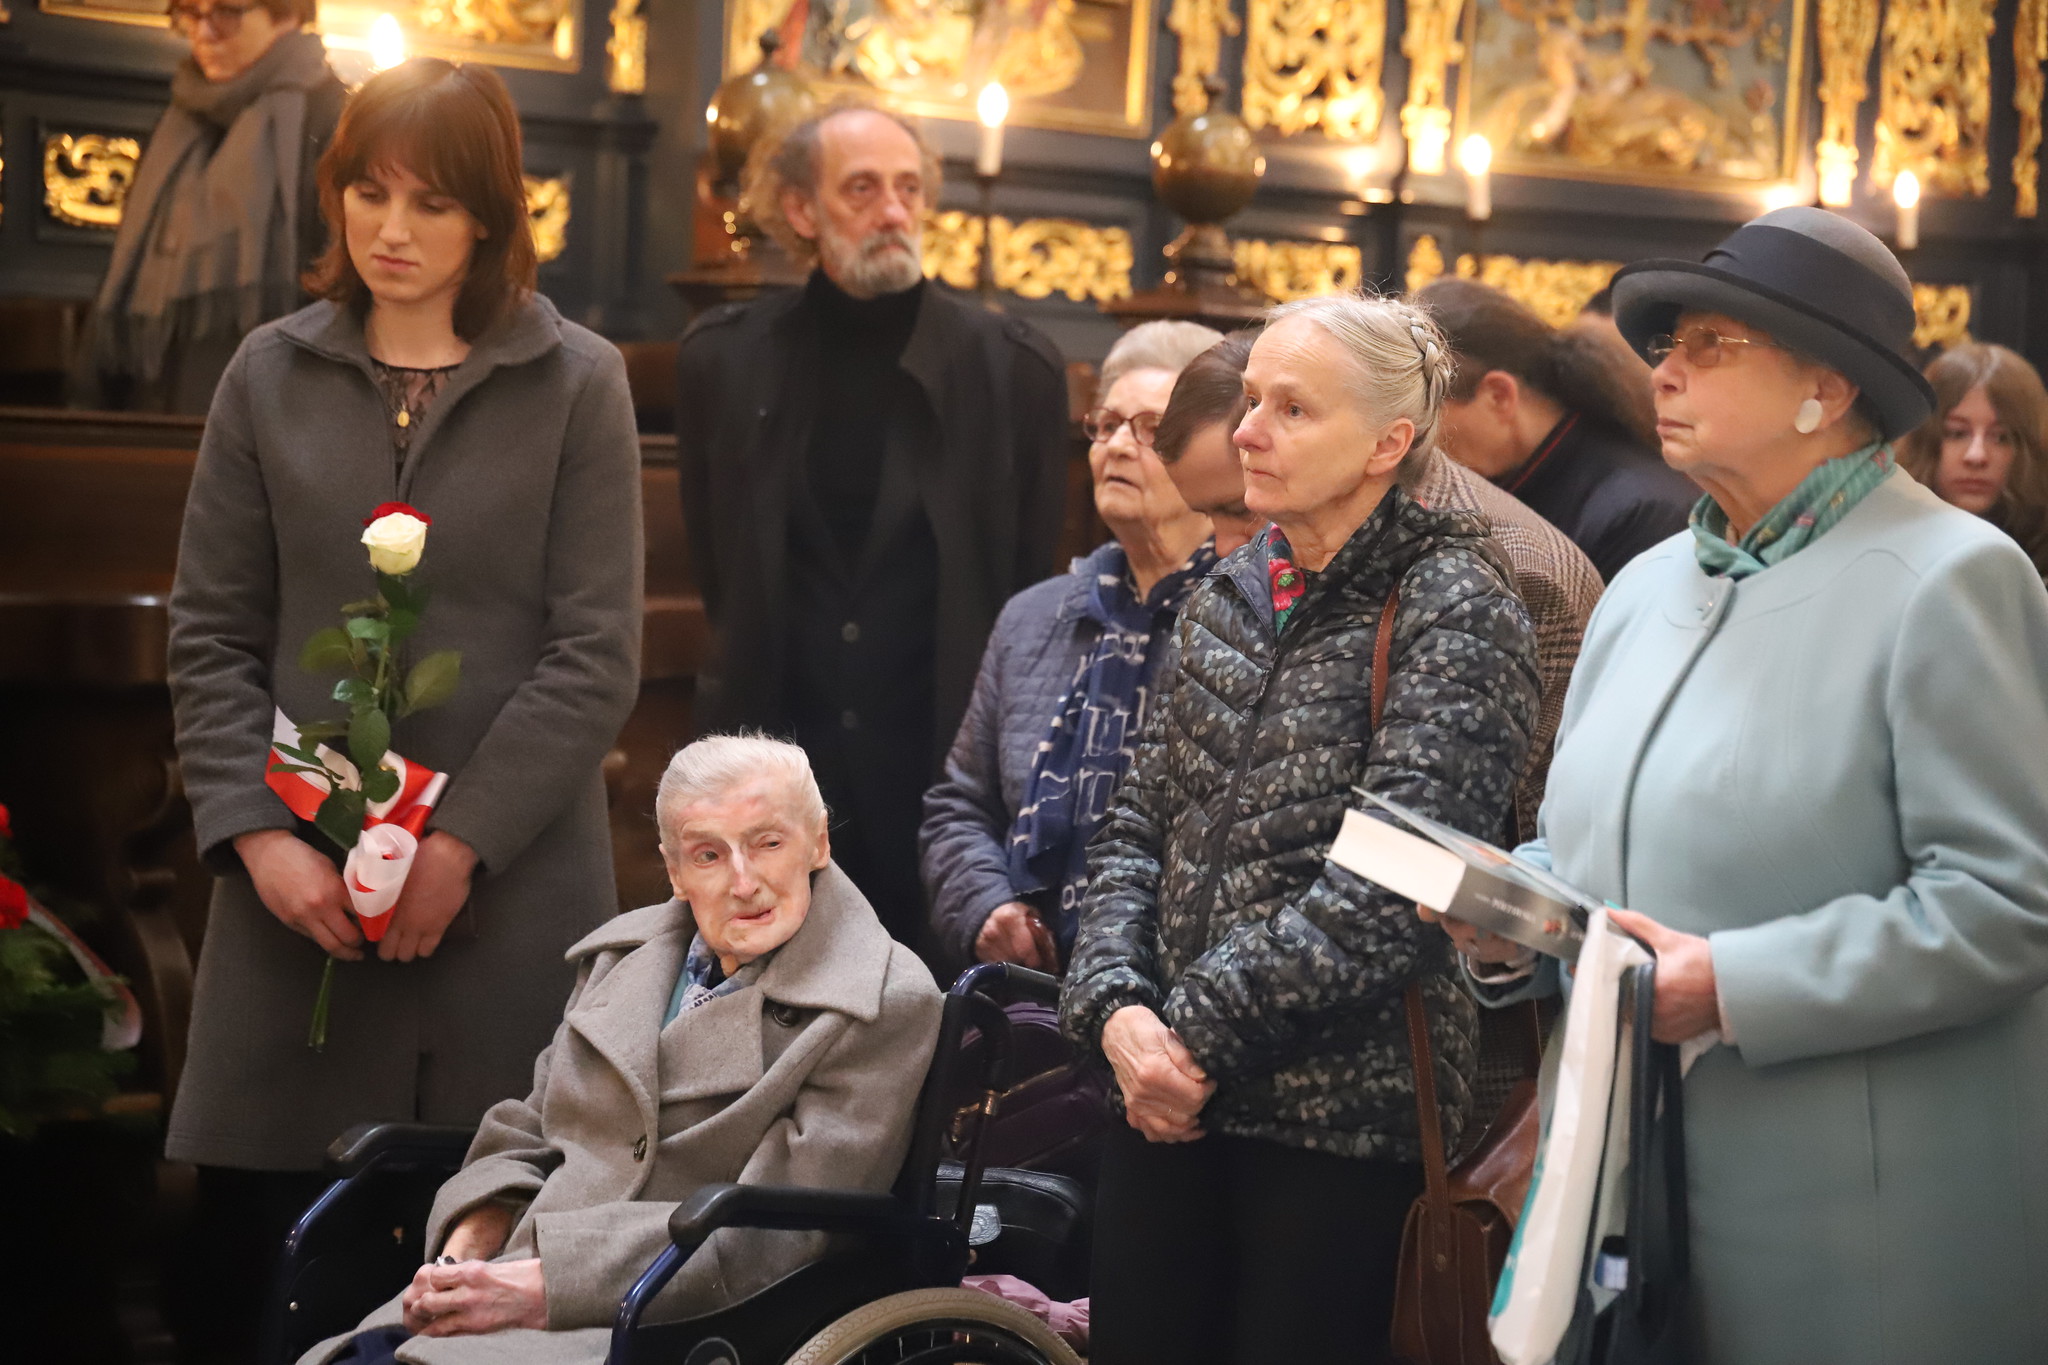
x,y
736,1076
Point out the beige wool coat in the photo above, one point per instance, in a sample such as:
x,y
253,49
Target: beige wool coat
x,y
810,1076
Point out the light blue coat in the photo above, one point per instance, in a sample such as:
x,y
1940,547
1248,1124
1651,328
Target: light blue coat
x,y
1837,771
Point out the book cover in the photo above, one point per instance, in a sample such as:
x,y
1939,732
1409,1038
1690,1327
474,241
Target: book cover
x,y
1466,878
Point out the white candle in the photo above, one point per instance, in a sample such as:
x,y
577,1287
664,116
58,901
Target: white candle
x,y
1906,194
992,106
1475,157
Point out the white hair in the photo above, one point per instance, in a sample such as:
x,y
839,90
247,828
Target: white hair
x,y
708,768
1163,345
1402,365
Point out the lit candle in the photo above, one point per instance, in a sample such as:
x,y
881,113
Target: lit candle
x,y
387,43
992,106
1906,194
1475,158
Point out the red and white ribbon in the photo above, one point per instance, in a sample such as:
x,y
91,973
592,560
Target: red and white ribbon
x,y
378,865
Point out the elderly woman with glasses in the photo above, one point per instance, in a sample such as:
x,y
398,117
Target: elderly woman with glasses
x,y
1247,992
224,214
1064,686
1805,744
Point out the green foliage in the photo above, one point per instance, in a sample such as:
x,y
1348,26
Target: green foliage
x,y
377,688
369,735
327,651
51,1062
432,681
340,816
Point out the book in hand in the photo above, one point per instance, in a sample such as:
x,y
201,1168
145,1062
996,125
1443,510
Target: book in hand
x,y
1465,878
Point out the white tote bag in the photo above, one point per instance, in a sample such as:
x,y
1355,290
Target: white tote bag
x,y
1539,1287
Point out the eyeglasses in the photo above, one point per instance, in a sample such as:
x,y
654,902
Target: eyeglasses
x,y
1702,346
1102,424
224,20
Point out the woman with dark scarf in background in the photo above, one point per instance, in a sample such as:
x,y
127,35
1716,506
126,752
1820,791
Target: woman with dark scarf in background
x,y
223,215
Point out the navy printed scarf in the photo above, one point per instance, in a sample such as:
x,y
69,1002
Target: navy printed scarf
x,y
1095,731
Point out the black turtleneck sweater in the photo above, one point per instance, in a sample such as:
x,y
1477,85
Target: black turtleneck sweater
x,y
860,384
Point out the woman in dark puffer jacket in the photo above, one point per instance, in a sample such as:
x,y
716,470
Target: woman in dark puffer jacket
x,y
1247,992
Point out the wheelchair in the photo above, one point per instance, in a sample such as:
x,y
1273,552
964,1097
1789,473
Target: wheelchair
x,y
889,1290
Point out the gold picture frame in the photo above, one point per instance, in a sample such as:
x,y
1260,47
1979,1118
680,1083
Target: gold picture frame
x,y
537,35
1078,65
1704,94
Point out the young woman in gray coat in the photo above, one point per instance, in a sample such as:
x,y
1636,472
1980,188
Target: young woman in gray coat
x,y
435,375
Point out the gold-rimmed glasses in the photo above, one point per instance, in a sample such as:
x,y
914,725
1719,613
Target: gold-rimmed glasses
x,y
1702,346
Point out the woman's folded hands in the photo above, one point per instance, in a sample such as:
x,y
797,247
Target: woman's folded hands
x,y
1164,1090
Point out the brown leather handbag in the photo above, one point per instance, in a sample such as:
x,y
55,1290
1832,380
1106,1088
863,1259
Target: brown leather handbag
x,y
1457,1235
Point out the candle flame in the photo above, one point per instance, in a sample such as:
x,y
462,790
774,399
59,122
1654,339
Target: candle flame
x,y
1475,155
1906,190
387,43
992,105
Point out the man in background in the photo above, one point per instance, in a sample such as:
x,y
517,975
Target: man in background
x,y
870,468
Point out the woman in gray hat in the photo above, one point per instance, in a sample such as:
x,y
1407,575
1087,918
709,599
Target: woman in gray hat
x,y
1805,743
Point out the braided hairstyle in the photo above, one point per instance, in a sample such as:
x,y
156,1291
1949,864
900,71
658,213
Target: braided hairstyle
x,y
1402,365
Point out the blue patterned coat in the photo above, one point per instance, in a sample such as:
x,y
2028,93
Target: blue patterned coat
x,y
1212,899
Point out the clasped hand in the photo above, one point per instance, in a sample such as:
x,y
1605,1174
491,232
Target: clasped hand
x,y
1164,1090
302,889
476,1294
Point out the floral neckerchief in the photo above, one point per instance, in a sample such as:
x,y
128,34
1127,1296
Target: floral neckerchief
x,y
1289,582
1806,514
702,980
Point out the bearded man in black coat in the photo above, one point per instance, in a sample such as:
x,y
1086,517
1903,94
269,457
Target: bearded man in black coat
x,y
869,469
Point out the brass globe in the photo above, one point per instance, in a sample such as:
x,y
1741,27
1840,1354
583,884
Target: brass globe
x,y
1206,166
751,103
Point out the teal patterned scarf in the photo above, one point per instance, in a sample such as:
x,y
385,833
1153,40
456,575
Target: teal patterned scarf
x,y
1806,514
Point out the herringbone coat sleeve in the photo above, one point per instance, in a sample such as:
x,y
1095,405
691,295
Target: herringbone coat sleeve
x,y
1460,706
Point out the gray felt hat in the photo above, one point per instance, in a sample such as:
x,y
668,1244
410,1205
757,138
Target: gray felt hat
x,y
1817,283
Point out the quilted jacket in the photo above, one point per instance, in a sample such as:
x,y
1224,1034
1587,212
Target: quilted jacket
x,y
1212,900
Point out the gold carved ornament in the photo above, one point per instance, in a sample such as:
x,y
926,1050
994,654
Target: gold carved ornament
x,y
1848,30
1934,95
86,177
1425,263
547,209
2029,50
1315,64
1429,40
509,22
1285,271
1033,259
627,47
1941,315
1200,25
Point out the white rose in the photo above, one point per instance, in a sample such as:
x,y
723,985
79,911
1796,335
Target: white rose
x,y
396,541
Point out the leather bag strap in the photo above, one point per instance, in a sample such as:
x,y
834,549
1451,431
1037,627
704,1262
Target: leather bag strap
x,y
1429,1124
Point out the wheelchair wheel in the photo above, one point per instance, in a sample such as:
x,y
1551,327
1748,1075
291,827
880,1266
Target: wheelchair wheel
x,y
937,1327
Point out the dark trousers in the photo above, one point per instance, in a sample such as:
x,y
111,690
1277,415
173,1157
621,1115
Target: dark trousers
x,y
1234,1251
220,1273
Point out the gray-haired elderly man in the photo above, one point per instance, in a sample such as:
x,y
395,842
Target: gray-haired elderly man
x,y
761,1027
870,468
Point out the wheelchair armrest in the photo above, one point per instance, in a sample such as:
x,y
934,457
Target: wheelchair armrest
x,y
786,1207
398,1146
789,1208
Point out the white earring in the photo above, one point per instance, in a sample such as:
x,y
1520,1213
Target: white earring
x,y
1807,421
